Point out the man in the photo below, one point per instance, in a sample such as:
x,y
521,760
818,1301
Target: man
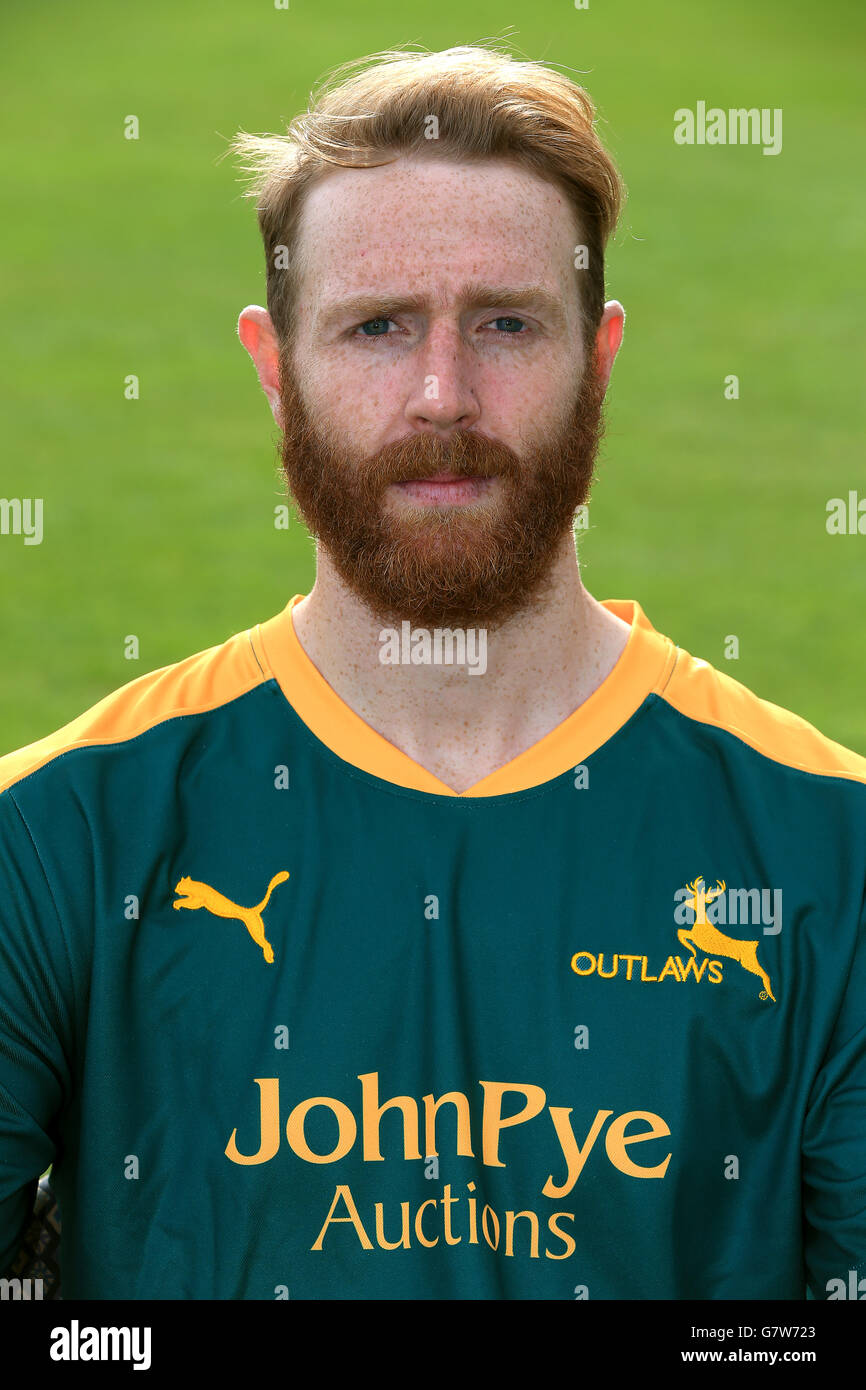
x,y
334,968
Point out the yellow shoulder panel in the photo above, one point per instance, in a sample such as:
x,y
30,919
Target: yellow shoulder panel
x,y
701,692
198,683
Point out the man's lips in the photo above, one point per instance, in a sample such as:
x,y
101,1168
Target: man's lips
x,y
449,489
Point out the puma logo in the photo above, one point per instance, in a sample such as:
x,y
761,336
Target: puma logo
x,y
195,894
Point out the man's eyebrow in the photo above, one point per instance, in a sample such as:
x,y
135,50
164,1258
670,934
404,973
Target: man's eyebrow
x,y
476,295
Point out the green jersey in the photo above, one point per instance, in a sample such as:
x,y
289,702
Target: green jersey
x,y
292,1018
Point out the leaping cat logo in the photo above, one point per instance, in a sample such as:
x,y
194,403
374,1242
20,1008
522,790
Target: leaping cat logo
x,y
197,894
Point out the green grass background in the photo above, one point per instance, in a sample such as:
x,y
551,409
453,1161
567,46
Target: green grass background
x,y
124,257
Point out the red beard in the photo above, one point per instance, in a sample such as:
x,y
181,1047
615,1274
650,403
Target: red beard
x,y
461,566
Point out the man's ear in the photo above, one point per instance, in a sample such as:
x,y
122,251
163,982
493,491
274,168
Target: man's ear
x,y
256,332
608,338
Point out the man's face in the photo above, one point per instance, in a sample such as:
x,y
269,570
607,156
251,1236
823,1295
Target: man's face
x,y
441,414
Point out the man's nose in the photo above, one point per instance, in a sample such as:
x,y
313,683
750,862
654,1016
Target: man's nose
x,y
443,390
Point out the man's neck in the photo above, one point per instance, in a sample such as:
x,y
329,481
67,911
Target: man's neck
x,y
541,665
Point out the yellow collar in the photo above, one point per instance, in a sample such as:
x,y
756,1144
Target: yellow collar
x,y
645,665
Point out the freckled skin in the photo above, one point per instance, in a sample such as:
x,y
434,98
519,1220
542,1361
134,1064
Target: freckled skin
x,y
428,227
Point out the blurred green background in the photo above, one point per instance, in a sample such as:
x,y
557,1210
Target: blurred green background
x,y
136,257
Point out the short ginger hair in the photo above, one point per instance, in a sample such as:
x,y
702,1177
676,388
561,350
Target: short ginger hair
x,y
486,105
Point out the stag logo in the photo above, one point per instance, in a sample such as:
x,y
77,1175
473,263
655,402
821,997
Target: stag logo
x,y
707,938
195,894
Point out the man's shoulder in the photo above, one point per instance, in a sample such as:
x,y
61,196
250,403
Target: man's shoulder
x,y
711,697
204,681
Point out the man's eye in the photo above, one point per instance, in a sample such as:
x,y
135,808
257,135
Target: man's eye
x,y
375,328
506,324
510,322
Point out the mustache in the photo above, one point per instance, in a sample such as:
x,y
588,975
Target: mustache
x,y
466,453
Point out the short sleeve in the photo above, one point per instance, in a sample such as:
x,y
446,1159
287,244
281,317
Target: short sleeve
x,y
35,1072
834,1147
